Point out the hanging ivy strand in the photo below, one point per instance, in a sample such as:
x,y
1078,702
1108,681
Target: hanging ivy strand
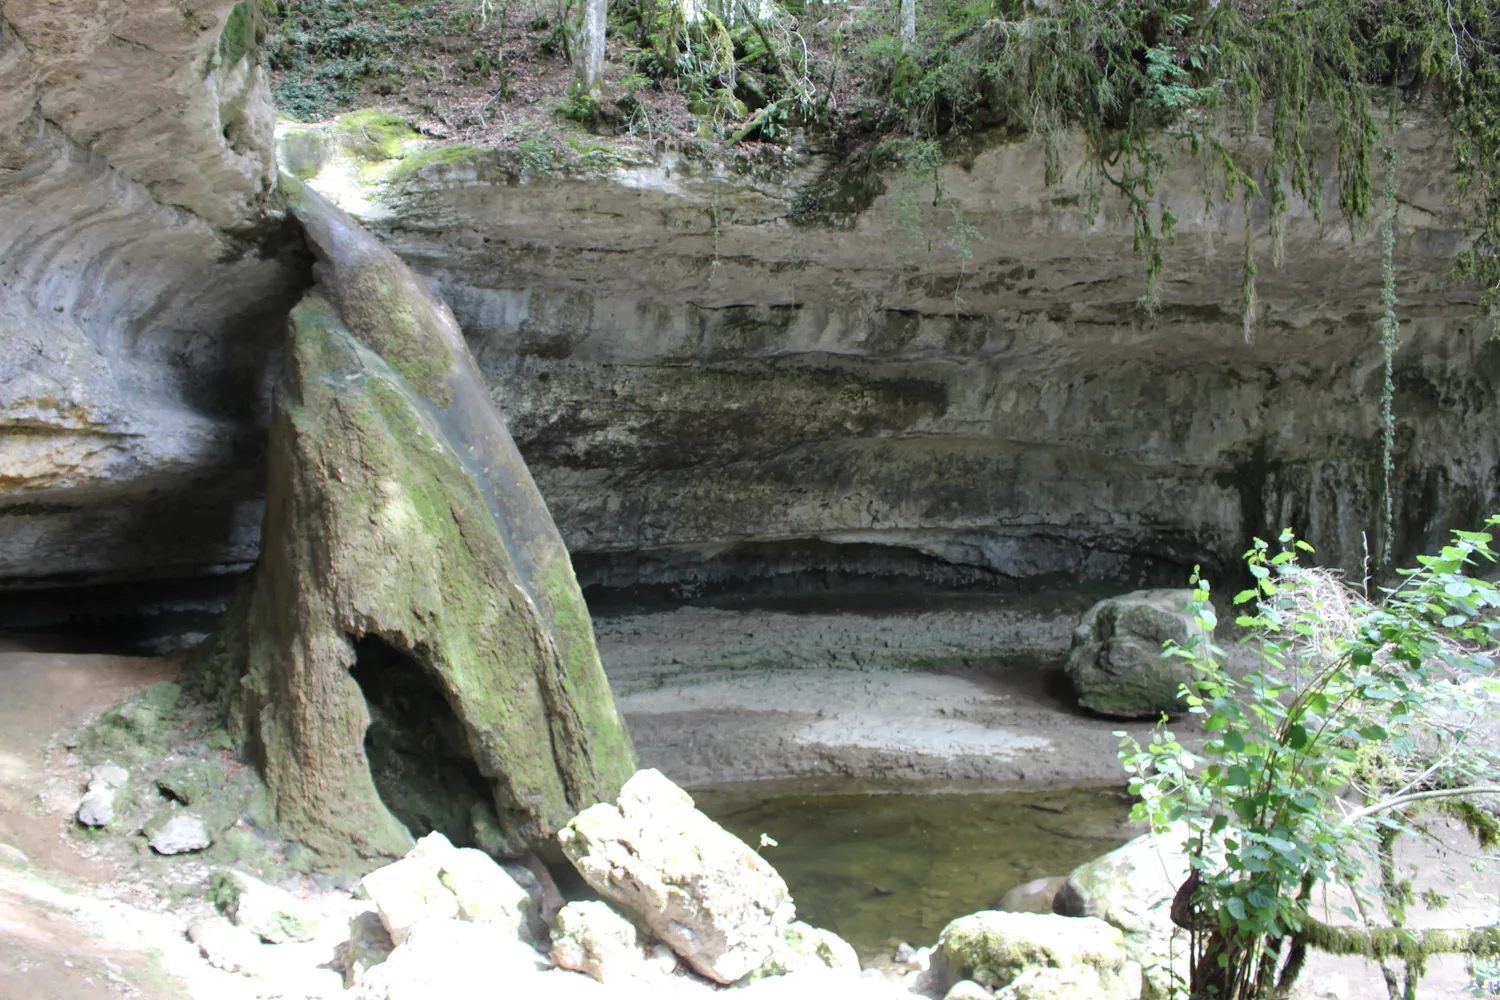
x,y
1142,80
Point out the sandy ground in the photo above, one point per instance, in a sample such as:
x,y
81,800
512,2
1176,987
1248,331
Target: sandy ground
x,y
971,692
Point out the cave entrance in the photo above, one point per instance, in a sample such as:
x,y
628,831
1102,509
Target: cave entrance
x,y
417,747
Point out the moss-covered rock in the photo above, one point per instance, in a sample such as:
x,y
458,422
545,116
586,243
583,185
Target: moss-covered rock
x,y
375,134
135,730
192,783
414,605
994,948
1116,662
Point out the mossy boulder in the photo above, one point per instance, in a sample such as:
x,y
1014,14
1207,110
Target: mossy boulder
x,y
994,948
1116,660
136,730
374,134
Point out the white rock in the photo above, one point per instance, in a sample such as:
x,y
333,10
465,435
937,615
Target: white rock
x,y
226,946
181,834
967,989
274,915
591,938
1132,888
442,959
407,893
13,856
813,949
1075,983
105,784
485,893
698,888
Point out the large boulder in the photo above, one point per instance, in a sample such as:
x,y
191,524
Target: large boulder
x,y
697,887
1131,888
1116,662
996,949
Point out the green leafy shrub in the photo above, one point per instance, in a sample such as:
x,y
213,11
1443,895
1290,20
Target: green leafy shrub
x,y
1358,715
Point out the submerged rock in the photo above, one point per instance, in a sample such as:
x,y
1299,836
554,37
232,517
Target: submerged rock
x,y
1036,896
995,949
1116,662
180,834
106,782
699,888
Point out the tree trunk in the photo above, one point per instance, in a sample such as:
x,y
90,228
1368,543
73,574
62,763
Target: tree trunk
x,y
414,652
908,25
590,69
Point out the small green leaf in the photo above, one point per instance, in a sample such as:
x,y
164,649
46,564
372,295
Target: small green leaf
x,y
1234,742
1296,737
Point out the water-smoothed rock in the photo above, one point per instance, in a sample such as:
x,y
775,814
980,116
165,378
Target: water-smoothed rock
x,y
1116,662
700,889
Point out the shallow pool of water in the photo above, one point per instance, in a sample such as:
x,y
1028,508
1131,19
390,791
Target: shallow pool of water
x,y
881,865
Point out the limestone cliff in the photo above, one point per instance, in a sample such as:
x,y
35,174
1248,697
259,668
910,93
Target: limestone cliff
x,y
141,290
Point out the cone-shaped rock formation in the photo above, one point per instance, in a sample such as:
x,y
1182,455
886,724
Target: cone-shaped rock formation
x,y
414,652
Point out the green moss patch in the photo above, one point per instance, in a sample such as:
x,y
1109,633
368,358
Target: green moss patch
x,y
134,730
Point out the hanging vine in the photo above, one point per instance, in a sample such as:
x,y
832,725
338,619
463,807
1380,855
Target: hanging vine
x,y
1143,80
1389,326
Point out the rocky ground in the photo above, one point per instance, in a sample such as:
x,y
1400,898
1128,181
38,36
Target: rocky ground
x,y
86,915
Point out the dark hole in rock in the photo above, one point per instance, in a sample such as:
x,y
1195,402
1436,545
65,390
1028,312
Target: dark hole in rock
x,y
417,748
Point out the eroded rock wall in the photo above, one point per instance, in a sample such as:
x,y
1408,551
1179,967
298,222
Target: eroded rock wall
x,y
142,287
956,382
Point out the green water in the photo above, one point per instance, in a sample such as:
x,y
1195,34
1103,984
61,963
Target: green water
x,y
879,866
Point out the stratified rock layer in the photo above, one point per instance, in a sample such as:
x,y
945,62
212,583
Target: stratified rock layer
x,y
142,291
